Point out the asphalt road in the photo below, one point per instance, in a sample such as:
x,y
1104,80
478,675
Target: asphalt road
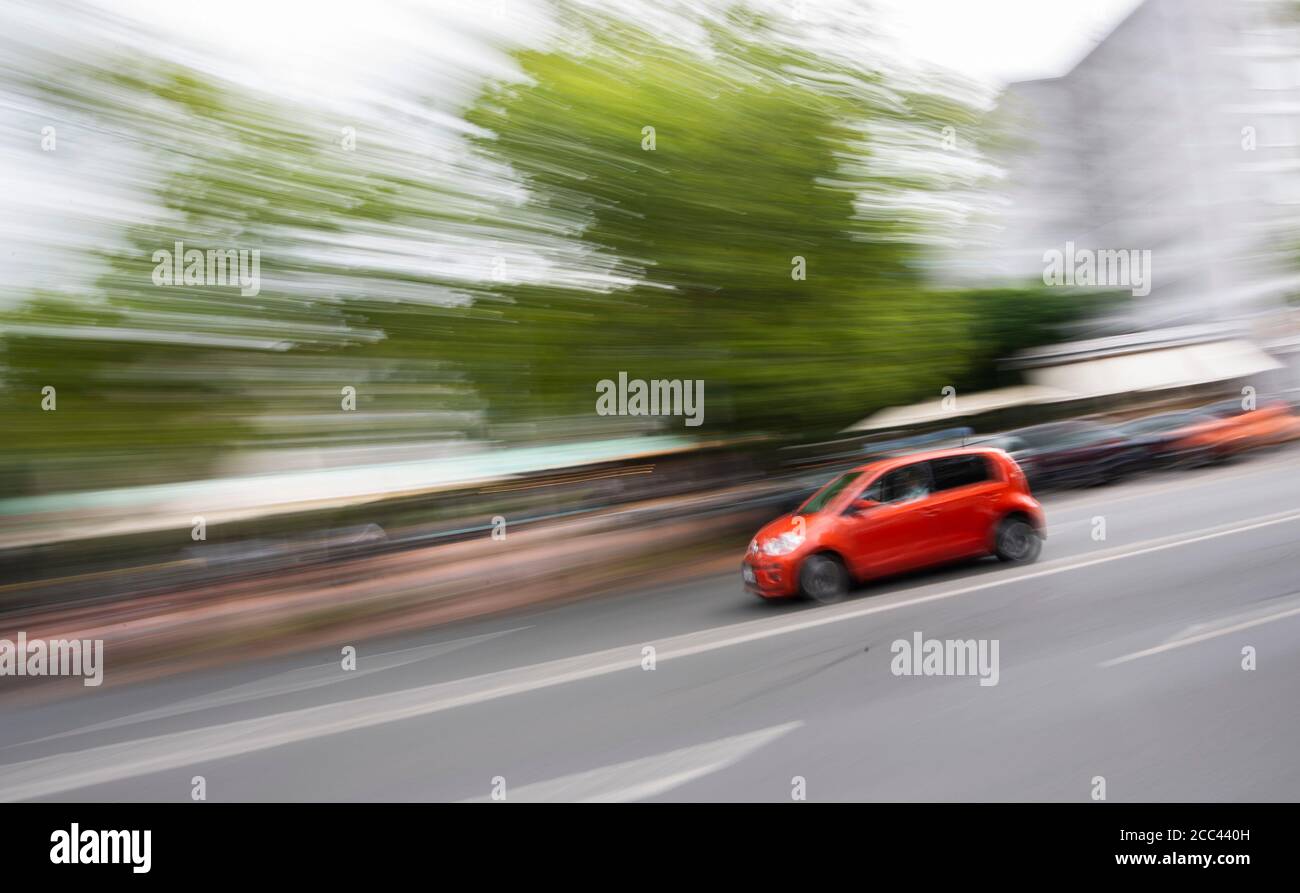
x,y
1119,658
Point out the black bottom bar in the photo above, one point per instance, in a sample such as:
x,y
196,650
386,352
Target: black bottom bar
x,y
333,842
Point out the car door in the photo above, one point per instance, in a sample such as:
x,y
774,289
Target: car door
x,y
892,536
962,509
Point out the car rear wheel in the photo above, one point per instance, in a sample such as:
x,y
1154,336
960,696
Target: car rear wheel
x,y
1017,542
823,579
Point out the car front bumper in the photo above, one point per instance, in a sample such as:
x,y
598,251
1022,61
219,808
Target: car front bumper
x,y
767,577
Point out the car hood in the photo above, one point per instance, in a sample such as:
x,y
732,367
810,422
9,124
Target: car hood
x,y
787,524
783,524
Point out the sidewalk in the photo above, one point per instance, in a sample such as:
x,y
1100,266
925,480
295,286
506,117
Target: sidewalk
x,y
351,600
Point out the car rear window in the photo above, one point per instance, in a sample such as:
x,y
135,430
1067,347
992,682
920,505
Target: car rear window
x,y
959,471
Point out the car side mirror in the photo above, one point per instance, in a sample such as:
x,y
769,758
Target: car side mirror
x,y
859,506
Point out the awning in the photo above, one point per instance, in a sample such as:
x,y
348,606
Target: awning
x,y
1174,367
964,405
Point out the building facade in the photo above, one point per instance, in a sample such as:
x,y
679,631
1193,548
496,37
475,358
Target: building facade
x,y
1177,135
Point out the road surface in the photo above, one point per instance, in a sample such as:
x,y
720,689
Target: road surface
x,y
1121,659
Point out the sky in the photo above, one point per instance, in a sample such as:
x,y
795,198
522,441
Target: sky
x,y
1002,41
997,41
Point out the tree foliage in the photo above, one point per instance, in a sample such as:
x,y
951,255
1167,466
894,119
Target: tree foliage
x,y
757,167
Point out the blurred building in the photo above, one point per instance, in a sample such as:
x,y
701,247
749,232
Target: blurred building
x,y
1139,370
1179,133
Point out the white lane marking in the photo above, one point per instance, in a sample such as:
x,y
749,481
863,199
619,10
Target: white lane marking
x,y
1202,637
288,682
648,776
61,772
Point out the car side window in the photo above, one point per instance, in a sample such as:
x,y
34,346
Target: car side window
x,y
906,484
960,471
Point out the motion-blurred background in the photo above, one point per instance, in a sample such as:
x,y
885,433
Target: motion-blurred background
x,y
840,217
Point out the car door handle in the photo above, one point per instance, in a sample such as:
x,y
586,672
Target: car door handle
x,y
929,513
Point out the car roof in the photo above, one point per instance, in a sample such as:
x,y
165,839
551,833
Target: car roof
x,y
892,462
1065,425
992,440
1231,407
1161,417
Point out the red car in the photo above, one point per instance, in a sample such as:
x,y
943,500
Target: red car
x,y
897,515
1226,430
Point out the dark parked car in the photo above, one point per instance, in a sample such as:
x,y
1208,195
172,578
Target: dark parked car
x,y
1070,454
1164,437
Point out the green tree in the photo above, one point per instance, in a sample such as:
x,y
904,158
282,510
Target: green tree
x,y
156,382
759,163
1005,321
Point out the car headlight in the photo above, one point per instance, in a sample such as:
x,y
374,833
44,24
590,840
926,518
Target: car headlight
x,y
783,544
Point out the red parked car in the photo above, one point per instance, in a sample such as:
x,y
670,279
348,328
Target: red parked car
x,y
1225,430
896,515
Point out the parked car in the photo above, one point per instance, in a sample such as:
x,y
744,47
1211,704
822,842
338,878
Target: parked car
x,y
1163,438
1271,424
1226,430
1074,453
895,515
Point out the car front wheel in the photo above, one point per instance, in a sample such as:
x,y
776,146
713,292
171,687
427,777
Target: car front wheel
x,y
1017,542
823,579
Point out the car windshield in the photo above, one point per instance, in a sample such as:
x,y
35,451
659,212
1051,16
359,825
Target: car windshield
x,y
819,500
1055,434
1166,422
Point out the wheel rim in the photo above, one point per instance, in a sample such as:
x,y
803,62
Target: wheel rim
x,y
824,581
1017,540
